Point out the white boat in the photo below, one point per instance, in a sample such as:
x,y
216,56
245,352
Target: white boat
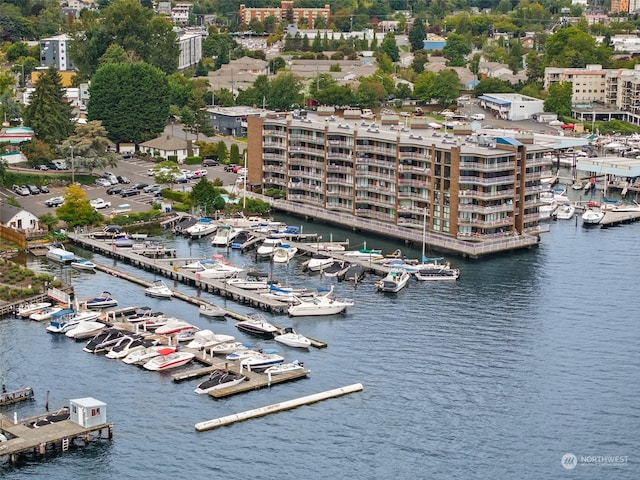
x,y
44,314
291,338
242,353
547,209
60,254
394,281
173,326
318,305
285,368
577,185
592,216
168,359
224,236
227,348
284,253
257,325
565,211
205,339
86,329
126,345
261,360
104,300
159,289
249,283
104,340
437,271
66,319
319,261
83,264
212,311
330,247
145,354
268,246
27,309
365,254
202,228
219,379
218,270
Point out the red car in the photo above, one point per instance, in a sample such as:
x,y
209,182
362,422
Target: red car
x,y
568,126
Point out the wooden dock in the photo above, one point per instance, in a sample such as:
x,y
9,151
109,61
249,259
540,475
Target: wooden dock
x,y
7,398
24,439
612,219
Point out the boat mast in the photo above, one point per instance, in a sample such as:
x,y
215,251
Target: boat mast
x,y
424,234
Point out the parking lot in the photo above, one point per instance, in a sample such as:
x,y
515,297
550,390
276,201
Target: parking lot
x,y
136,170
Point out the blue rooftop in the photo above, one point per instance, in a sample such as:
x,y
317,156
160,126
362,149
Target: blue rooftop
x,y
508,141
497,101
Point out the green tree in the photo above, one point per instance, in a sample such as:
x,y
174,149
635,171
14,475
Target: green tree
x,y
76,209
234,154
165,172
559,99
88,145
132,100
321,82
390,47
206,196
48,113
276,64
370,93
284,92
223,154
335,95
423,86
572,47
456,49
417,35
446,87
491,85
535,67
49,220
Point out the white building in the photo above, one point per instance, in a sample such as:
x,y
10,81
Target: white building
x,y
190,45
54,50
511,106
87,412
18,219
180,13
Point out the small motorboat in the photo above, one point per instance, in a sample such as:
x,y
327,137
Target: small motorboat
x,y
83,264
202,228
355,273
127,345
565,211
268,247
394,281
44,314
173,326
318,305
159,289
123,242
104,300
60,254
285,368
212,311
205,339
104,340
261,360
365,254
249,283
142,356
219,379
84,330
142,314
318,262
336,269
257,325
592,216
284,253
577,185
227,348
67,319
27,309
437,271
242,353
291,338
168,358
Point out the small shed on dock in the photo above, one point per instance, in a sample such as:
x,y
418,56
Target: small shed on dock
x,y
88,412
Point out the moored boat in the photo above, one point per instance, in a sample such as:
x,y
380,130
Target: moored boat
x,y
261,360
257,325
592,216
284,253
104,300
168,359
219,379
394,281
282,368
83,264
318,305
291,338
212,311
27,309
86,329
142,356
159,289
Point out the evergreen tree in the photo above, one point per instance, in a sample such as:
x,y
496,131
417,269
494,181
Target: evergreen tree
x,y
223,154
417,35
234,154
325,42
48,114
316,45
390,47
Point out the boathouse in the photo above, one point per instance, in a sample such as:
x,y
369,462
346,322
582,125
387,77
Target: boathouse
x,y
88,412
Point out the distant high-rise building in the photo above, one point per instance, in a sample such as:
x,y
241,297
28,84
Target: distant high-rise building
x,y
282,13
54,50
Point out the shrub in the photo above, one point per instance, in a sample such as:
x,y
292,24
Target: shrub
x,y
195,160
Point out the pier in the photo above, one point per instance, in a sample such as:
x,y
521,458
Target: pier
x,y
612,218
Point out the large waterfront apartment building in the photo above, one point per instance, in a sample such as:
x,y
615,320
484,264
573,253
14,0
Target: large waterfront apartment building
x,y
282,12
471,187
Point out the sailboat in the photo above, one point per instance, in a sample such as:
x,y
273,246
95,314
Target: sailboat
x,y
431,268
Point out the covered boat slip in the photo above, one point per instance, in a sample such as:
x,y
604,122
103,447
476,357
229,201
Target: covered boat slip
x,y
614,166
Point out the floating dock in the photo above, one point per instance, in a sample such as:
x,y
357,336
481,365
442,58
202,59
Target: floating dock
x,y
612,218
7,398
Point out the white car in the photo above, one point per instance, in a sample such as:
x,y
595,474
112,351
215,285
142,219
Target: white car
x,y
556,123
187,173
103,182
200,173
99,204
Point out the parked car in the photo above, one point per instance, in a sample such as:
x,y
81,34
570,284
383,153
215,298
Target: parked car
x,y
130,192
52,166
568,126
126,155
114,190
103,182
186,173
33,189
111,177
151,188
41,167
123,179
44,189
140,186
200,173
210,162
54,202
229,168
21,190
99,203
180,179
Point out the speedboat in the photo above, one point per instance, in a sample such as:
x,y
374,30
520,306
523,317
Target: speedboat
x,y
124,242
592,216
84,330
27,309
212,311
159,289
66,319
318,262
227,348
224,236
565,211
142,314
218,269
173,326
284,253
437,271
142,356
291,338
104,340
268,246
257,325
104,300
284,294
44,314
168,359
394,281
319,305
282,368
60,254
219,379
202,228
240,239
355,273
365,254
205,339
127,345
83,264
336,269
249,283
261,360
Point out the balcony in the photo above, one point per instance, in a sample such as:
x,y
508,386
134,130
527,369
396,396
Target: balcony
x,y
376,163
488,167
307,138
331,155
475,222
339,169
414,169
274,169
423,196
299,149
380,201
538,161
274,133
389,152
376,175
487,195
306,162
340,207
269,142
341,143
414,155
304,187
339,181
368,213
486,210
412,182
274,156
486,181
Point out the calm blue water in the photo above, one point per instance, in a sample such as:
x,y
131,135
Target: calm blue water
x,y
527,357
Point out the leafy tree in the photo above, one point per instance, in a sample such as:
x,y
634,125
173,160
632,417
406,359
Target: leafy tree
x,y
89,145
165,172
223,154
284,92
48,113
390,47
417,35
224,97
76,209
335,95
321,82
403,90
535,67
491,85
37,151
9,108
446,87
234,154
276,64
114,54
49,220
559,99
420,57
456,49
370,93
132,100
205,195
572,47
17,50
384,63
423,86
